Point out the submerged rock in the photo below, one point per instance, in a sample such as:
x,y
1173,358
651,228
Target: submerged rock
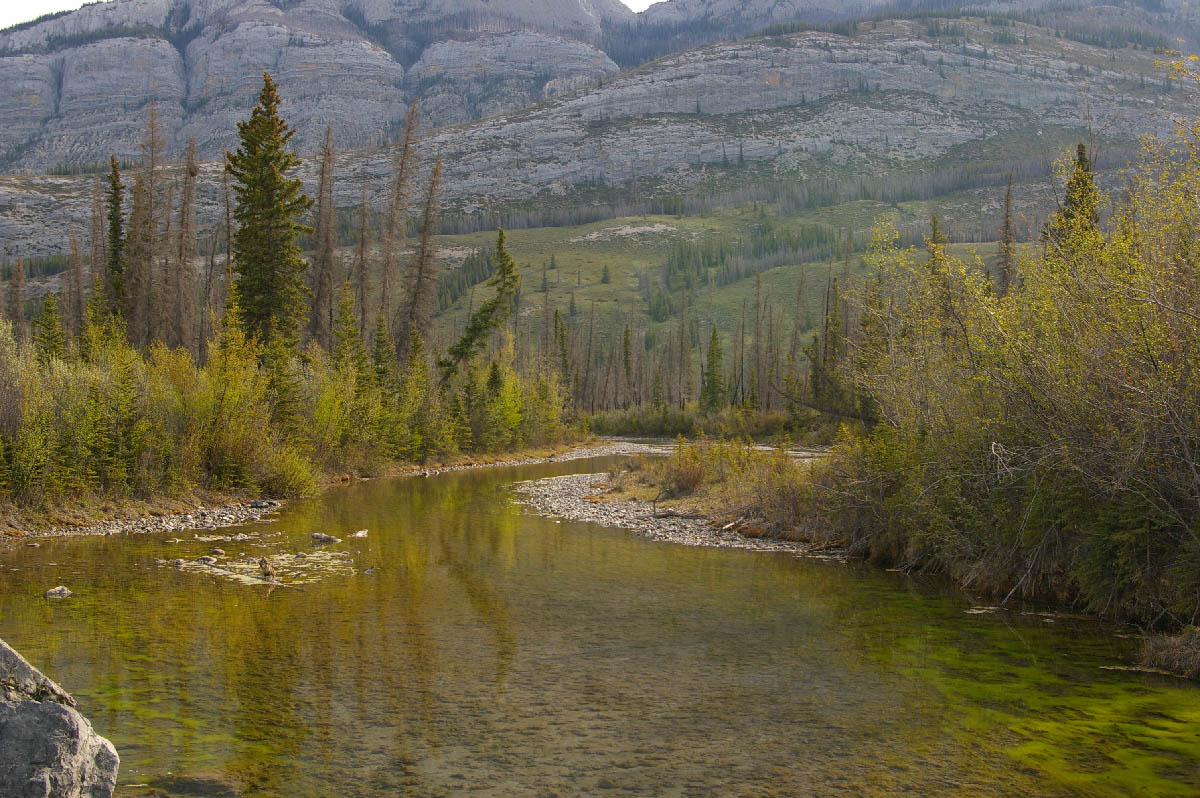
x,y
59,592
206,560
46,747
321,537
362,533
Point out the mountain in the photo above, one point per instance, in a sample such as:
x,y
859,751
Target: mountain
x,y
74,86
901,108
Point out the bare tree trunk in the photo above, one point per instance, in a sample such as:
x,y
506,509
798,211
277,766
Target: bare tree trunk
x,y
75,289
422,282
397,225
360,269
321,324
183,288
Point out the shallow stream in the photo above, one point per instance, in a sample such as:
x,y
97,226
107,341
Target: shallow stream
x,y
492,652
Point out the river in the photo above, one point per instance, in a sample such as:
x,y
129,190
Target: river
x,y
491,652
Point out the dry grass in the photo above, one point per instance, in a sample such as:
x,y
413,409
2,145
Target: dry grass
x,y
1178,654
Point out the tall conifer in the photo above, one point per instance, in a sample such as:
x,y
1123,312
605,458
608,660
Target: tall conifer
x,y
270,285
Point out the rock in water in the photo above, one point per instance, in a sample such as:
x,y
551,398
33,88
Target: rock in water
x,y
362,533
58,592
321,537
46,747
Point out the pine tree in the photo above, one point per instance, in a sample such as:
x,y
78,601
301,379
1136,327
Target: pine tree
x,y
712,394
320,327
48,337
115,268
270,285
606,275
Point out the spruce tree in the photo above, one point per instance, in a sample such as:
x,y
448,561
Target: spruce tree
x,y
712,394
270,285
1079,213
48,337
349,352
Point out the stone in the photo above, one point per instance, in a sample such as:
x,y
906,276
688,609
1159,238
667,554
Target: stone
x,y
47,748
74,88
787,104
59,592
206,560
362,533
217,552
323,539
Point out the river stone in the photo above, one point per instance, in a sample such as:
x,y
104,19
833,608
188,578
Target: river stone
x,y
58,592
46,747
206,560
362,533
321,537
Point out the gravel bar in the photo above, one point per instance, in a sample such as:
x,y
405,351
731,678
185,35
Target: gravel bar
x,y
568,497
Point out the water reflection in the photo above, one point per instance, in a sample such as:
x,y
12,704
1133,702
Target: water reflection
x,y
505,654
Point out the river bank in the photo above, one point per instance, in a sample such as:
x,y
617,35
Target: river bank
x,y
217,512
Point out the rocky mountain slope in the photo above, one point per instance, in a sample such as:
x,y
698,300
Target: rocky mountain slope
x,y
898,101
73,88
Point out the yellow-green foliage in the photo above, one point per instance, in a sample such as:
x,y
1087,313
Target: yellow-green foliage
x,y
1044,441
105,420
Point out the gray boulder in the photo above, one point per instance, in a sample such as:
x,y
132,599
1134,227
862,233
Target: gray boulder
x,y
47,749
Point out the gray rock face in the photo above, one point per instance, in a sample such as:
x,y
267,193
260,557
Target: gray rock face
x,y
74,89
46,747
802,107
458,81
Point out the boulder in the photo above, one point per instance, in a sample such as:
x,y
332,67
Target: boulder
x,y
59,592
46,747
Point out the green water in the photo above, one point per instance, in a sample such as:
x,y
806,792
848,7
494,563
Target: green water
x,y
494,653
